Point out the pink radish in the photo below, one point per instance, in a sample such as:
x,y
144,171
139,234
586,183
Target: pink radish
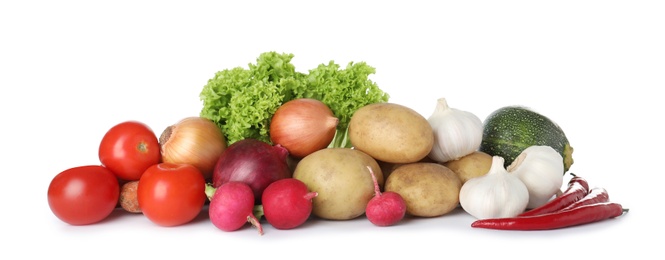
x,y
385,209
232,206
287,203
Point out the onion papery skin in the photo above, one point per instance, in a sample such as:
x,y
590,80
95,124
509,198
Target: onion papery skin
x,y
254,162
303,126
193,140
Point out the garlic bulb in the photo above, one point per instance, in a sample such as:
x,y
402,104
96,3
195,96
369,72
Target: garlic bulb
x,y
497,194
540,168
456,133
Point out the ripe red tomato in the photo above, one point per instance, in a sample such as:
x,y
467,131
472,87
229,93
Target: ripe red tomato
x,y
83,195
171,194
128,149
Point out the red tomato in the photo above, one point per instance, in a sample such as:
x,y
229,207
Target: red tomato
x,y
128,149
171,194
83,195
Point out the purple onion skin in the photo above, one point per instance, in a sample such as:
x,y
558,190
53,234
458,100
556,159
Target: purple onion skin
x,y
254,162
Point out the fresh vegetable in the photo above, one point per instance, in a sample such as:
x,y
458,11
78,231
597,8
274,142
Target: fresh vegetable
x,y
128,197
497,194
303,126
171,194
231,206
384,209
595,195
286,145
193,140
472,165
509,130
242,101
83,195
253,162
391,133
457,133
339,176
555,220
128,149
429,189
287,203
577,189
344,91
539,167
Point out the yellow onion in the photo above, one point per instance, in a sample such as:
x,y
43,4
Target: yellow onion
x,y
303,126
193,140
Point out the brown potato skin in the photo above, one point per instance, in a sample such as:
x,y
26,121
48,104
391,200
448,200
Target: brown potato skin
x,y
429,189
341,179
473,165
391,133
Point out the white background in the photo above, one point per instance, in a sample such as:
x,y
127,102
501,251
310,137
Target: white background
x,y
71,70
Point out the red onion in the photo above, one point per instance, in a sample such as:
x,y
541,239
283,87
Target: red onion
x,y
254,162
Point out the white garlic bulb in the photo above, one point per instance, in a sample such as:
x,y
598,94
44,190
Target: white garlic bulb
x,y
497,194
456,132
540,168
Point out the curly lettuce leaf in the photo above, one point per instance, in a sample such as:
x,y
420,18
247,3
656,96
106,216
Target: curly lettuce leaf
x,y
344,91
242,101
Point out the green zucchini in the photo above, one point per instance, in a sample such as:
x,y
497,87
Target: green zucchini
x,y
511,129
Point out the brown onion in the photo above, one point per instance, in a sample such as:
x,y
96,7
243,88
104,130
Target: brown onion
x,y
193,140
303,126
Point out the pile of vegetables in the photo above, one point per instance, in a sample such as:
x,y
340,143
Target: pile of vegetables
x,y
277,146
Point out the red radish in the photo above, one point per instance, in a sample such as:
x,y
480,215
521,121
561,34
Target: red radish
x,y
287,203
232,206
385,209
253,162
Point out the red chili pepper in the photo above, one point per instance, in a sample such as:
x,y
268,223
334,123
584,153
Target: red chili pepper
x,y
577,189
561,219
596,195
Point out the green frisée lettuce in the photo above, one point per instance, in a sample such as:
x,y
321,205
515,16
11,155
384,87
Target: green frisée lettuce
x,y
242,101
344,91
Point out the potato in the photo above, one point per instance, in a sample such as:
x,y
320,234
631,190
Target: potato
x,y
391,133
388,168
429,189
470,166
341,179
